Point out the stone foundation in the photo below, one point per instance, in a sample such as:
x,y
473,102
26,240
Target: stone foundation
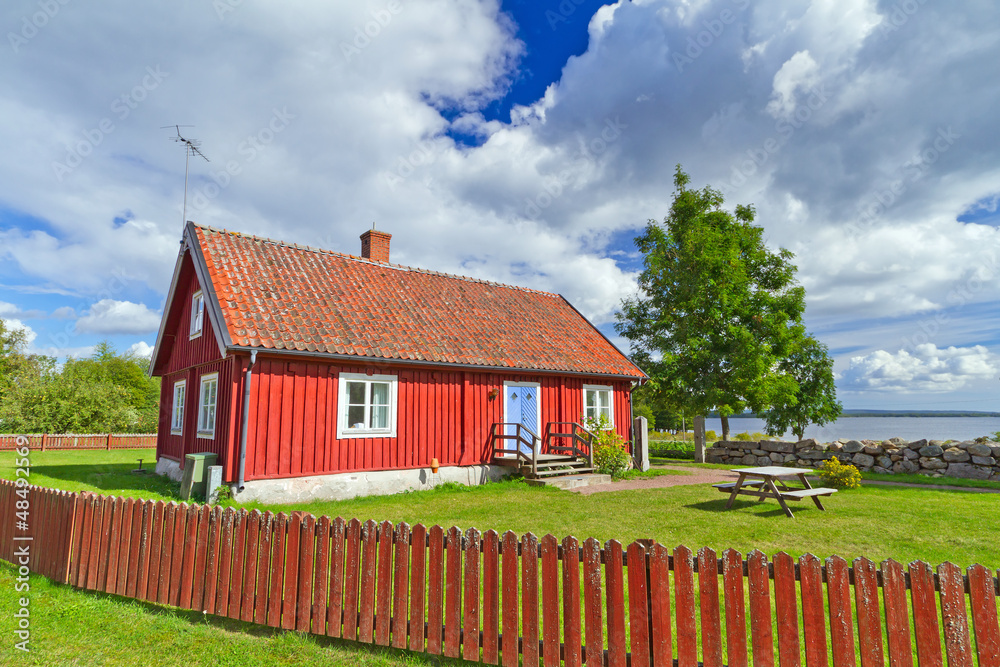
x,y
171,469
343,486
969,459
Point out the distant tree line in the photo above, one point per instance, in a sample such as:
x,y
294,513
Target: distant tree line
x,y
109,392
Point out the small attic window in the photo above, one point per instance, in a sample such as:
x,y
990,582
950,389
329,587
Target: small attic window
x,y
197,314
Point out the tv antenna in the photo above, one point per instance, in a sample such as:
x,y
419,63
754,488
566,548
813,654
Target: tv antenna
x,y
190,148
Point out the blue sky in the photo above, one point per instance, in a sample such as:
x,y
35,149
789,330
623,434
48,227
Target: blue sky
x,y
525,142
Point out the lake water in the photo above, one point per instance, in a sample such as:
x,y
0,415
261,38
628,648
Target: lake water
x,y
876,428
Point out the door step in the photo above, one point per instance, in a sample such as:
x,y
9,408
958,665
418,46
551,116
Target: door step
x,y
571,481
575,470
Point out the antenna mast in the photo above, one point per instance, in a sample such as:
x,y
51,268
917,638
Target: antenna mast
x,y
190,148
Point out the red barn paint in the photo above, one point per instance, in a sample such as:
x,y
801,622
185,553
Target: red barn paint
x,y
312,316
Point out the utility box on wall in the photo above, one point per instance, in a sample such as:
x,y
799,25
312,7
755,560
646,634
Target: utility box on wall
x,y
195,478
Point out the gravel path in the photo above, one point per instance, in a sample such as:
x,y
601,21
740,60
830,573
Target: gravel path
x,y
697,476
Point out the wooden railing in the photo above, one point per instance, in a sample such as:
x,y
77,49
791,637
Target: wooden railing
x,y
521,435
577,435
501,598
49,441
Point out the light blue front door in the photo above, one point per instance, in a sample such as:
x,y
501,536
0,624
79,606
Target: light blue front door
x,y
522,408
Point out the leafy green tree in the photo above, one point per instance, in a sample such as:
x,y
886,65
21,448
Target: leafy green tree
x,y
139,395
716,311
106,393
642,410
12,344
656,406
815,399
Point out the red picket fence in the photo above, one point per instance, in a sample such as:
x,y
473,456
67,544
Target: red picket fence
x,y
48,441
500,598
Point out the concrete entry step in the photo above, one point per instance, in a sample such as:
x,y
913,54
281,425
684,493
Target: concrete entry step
x,y
571,481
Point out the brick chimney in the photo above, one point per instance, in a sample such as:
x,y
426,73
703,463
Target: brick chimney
x,y
375,245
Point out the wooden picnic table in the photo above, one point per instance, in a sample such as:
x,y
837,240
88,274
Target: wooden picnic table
x,y
763,483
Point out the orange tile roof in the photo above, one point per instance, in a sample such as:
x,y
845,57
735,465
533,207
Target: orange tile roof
x,y
281,296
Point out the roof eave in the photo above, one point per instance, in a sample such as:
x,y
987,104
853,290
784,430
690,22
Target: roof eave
x,y
606,339
213,308
353,358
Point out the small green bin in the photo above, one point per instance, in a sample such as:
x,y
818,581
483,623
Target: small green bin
x,y
195,481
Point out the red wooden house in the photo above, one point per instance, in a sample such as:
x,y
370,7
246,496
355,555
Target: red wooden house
x,y
344,375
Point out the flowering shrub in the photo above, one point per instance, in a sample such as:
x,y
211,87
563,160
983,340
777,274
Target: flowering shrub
x,y
612,460
840,476
611,456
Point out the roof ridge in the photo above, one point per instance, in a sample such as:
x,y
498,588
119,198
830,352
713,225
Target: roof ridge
x,y
390,265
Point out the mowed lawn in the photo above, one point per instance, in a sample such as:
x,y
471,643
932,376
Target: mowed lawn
x,y
85,628
71,627
877,522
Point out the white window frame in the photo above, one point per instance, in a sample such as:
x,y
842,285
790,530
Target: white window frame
x,y
177,412
197,314
343,430
611,401
203,426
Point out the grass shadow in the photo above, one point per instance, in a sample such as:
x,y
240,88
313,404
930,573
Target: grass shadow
x,y
226,624
719,506
111,477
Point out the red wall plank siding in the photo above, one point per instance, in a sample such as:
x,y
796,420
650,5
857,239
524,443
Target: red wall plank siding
x,y
180,351
229,394
441,414
168,444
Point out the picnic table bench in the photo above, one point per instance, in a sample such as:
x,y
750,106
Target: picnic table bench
x,y
763,483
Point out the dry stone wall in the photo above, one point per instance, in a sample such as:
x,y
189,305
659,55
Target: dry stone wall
x,y
969,459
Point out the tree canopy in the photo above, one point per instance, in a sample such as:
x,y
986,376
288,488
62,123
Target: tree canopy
x,y
106,393
815,399
717,312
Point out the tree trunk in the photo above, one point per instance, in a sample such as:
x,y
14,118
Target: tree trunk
x,y
725,426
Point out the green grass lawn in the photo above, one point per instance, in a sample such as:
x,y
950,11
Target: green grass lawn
x,y
71,627
100,471
874,521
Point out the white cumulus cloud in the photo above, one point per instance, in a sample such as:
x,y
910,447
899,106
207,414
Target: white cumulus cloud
x,y
108,316
926,369
141,349
12,324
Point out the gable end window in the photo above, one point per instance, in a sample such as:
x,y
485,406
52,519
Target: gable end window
x,y
197,314
598,402
177,414
206,405
366,406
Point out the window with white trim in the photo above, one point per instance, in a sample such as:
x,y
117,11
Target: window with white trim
x,y
197,314
206,405
367,406
597,402
177,414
